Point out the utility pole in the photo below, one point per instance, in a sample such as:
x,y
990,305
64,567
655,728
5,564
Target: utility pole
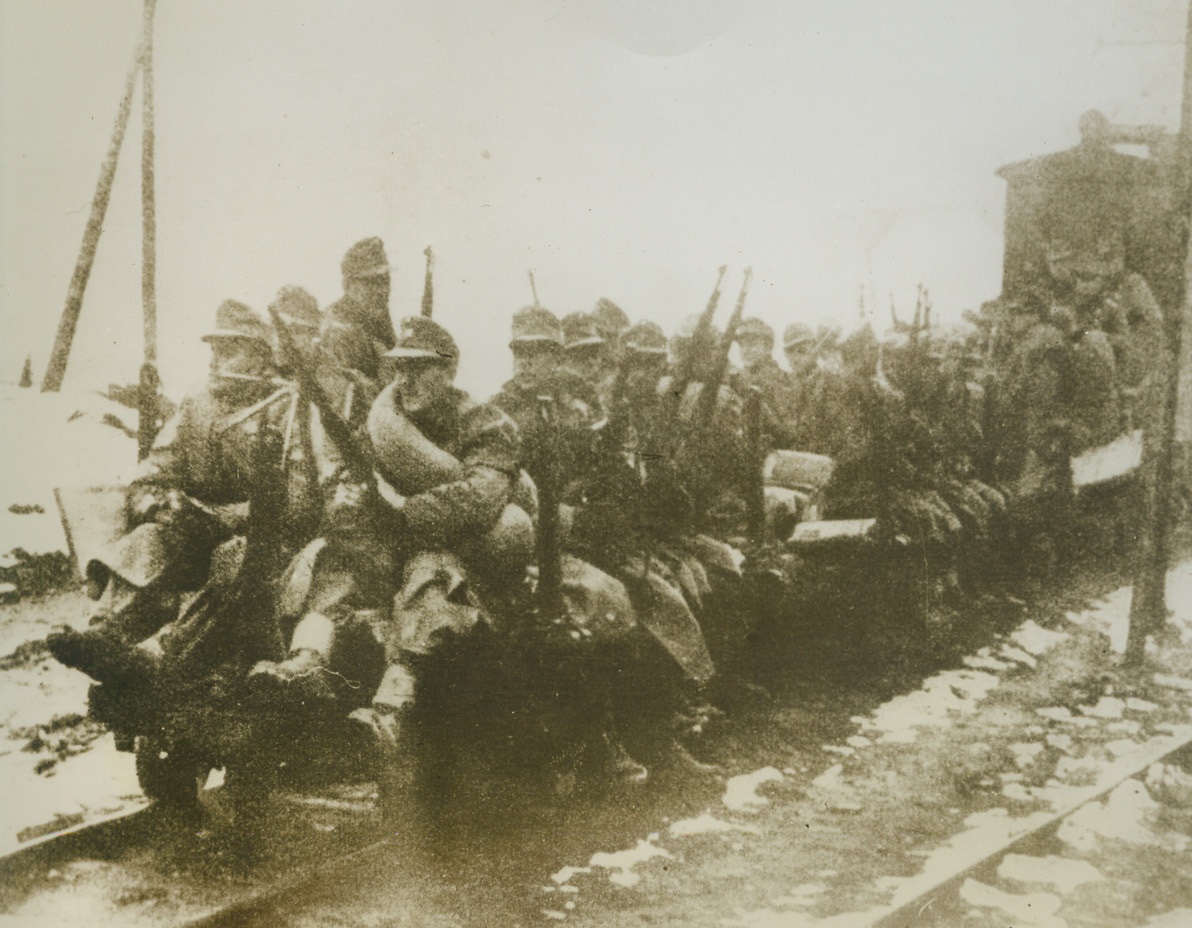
x,y
56,368
1148,605
150,382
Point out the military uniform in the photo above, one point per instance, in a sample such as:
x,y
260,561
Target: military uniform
x,y
760,370
537,344
190,497
447,478
356,332
587,358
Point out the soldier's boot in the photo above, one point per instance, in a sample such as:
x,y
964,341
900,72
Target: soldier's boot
x,y
105,656
303,679
375,733
127,616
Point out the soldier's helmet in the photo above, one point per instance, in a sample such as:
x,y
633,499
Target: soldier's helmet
x,y
365,259
297,307
752,327
420,338
234,319
579,331
646,339
536,325
610,319
796,334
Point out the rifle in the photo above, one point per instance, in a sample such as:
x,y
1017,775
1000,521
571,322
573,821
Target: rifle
x,y
428,284
755,496
549,554
686,368
357,460
533,287
235,618
711,389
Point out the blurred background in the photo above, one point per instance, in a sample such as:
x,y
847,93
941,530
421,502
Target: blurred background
x,y
620,149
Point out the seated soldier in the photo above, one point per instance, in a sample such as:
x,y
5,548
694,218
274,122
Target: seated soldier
x,y
759,369
612,325
434,533
190,496
705,441
538,372
584,354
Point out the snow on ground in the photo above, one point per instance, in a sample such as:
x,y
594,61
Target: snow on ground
x,y
740,792
51,440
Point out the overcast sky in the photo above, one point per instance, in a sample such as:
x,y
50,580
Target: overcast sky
x,y
621,148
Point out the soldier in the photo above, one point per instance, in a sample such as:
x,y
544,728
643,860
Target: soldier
x,y
357,329
538,371
612,324
190,496
1076,374
299,310
798,345
710,457
759,369
585,355
440,531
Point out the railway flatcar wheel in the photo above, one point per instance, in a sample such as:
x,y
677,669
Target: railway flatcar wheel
x,y
170,776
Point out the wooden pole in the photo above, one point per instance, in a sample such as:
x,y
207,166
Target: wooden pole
x,y
56,368
1148,605
147,412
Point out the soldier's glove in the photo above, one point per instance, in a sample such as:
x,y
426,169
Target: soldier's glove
x,y
144,503
165,507
347,504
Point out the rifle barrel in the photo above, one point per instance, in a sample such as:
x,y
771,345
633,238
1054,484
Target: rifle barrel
x,y
354,457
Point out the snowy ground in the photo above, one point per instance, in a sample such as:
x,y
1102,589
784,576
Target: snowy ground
x,y
53,440
803,832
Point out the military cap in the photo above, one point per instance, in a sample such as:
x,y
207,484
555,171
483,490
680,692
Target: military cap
x,y
420,337
796,334
235,320
366,259
753,327
579,330
645,338
536,325
297,307
610,319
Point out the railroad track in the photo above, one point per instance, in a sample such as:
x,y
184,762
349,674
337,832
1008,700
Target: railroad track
x,y
148,867
923,899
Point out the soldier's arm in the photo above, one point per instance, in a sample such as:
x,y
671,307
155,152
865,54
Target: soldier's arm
x,y
163,469
470,506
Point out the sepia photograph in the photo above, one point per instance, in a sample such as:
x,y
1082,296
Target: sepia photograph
x,y
600,463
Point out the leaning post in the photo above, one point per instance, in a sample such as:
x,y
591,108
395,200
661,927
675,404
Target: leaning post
x,y
69,320
147,412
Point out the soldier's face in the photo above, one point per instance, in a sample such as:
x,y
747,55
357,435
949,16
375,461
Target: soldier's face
x,y
233,359
535,359
586,361
798,356
371,291
755,350
305,339
422,384
238,356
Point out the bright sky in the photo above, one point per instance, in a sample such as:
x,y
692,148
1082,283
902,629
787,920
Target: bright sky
x,y
621,148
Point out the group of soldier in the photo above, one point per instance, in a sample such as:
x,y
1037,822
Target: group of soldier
x,y
599,504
